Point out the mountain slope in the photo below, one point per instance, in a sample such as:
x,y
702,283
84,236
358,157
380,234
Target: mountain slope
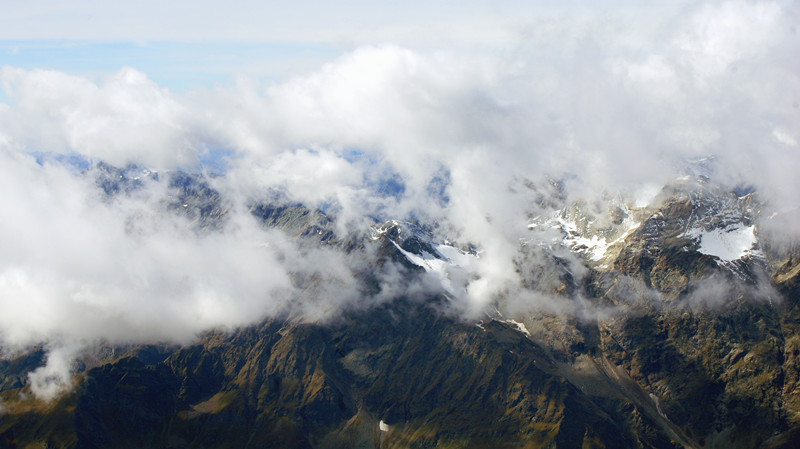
x,y
658,341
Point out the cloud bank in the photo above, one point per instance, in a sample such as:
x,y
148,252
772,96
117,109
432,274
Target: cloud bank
x,y
452,136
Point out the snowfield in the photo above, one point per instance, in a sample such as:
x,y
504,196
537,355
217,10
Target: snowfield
x,y
728,244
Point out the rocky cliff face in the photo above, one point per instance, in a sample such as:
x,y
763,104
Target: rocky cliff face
x,y
678,344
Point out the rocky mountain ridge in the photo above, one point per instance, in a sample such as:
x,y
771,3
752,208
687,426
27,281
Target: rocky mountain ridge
x,y
666,344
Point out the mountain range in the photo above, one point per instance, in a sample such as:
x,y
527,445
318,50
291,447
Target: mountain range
x,y
668,323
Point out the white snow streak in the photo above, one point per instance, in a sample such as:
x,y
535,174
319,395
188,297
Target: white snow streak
x,y
453,258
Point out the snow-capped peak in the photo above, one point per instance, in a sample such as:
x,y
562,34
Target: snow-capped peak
x,y
442,259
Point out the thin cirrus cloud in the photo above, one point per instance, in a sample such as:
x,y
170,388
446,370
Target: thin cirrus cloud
x,y
604,102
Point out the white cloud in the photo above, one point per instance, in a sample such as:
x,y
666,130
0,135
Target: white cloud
x,y
81,268
126,117
715,37
53,379
603,106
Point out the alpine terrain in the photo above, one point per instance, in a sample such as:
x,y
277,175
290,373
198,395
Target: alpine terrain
x,y
671,322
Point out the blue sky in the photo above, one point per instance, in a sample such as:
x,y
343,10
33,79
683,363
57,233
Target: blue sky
x,y
184,45
178,66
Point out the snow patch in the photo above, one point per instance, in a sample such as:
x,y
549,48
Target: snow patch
x,y
456,256
376,232
452,257
727,244
520,327
383,427
596,246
